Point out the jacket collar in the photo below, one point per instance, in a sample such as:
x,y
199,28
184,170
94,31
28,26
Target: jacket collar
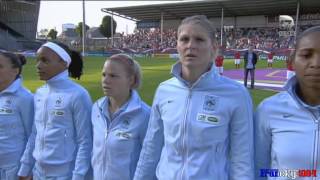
x,y
290,84
203,80
132,104
59,80
291,87
13,87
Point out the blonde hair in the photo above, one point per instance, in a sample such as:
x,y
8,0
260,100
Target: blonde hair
x,y
131,66
202,21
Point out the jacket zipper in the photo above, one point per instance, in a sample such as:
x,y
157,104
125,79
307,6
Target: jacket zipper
x,y
315,143
184,136
315,150
65,142
106,132
104,150
44,125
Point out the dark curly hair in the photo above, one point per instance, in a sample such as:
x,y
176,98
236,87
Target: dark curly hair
x,y
17,60
76,66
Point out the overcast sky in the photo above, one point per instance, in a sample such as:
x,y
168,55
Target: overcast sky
x,y
55,13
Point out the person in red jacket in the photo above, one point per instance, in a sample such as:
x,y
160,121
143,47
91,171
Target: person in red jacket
x,y
219,63
290,70
237,59
270,59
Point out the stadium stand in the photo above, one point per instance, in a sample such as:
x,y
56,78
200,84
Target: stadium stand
x,y
262,38
249,21
18,19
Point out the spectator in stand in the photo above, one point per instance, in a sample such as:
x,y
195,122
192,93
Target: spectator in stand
x,y
262,38
270,59
287,124
219,62
250,60
16,114
237,59
290,70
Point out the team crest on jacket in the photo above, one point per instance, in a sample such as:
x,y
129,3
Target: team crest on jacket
x,y
58,102
210,103
6,106
7,103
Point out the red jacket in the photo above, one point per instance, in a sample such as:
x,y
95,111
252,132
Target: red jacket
x,y
219,61
289,65
237,55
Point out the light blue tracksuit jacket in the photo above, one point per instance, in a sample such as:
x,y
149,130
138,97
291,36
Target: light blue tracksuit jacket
x,y
61,139
117,140
16,119
198,132
287,134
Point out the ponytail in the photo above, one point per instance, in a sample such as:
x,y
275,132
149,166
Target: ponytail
x,y
76,65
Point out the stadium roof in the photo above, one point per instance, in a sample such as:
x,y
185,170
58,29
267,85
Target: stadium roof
x,y
212,8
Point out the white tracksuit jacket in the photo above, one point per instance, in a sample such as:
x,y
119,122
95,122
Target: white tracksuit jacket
x,y
61,139
117,143
199,132
287,133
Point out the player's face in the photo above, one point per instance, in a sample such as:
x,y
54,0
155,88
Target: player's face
x,y
307,61
48,64
7,72
115,80
195,47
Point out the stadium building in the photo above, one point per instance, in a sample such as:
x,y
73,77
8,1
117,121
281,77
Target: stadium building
x,y
238,13
234,20
18,22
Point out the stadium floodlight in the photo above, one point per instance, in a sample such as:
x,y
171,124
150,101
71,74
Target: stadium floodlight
x,y
286,22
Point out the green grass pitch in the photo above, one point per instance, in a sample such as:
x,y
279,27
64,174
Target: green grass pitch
x,y
155,70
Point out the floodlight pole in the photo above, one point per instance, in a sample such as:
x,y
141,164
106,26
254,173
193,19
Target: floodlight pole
x,y
221,28
297,17
111,30
161,28
83,27
126,29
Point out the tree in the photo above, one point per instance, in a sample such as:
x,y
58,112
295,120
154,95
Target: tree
x,y
105,27
43,32
52,34
79,28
